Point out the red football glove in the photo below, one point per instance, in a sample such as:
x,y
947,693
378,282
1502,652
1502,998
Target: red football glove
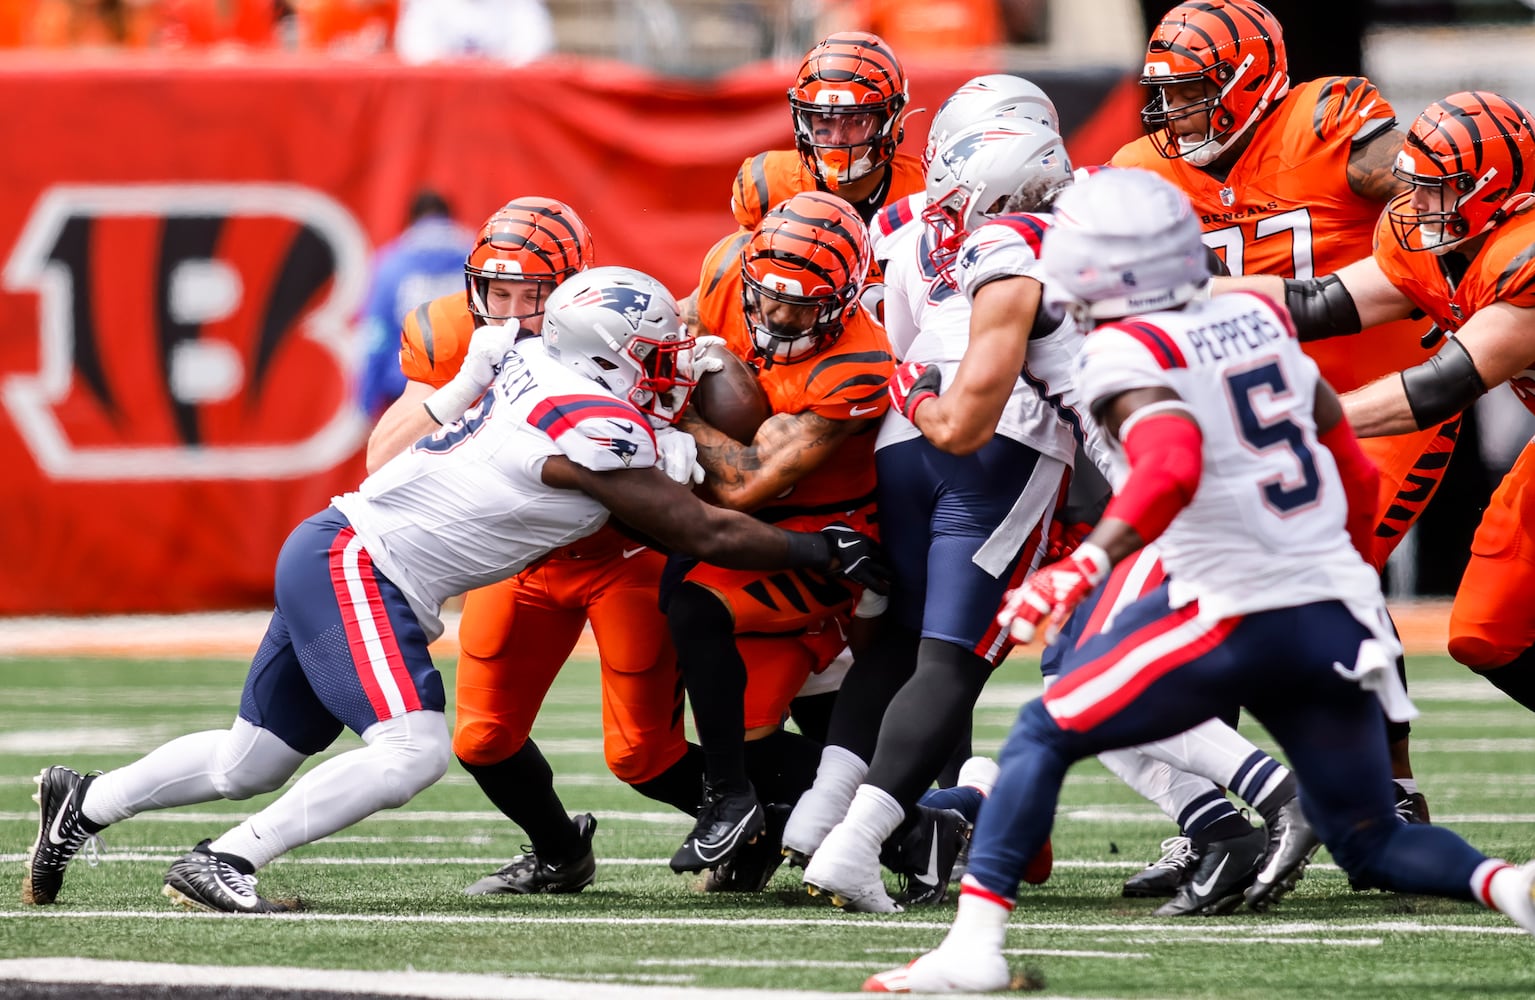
x,y
1053,592
912,384
1064,538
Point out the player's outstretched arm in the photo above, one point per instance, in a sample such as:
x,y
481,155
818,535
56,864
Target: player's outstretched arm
x,y
673,516
787,447
402,425
964,416
1357,296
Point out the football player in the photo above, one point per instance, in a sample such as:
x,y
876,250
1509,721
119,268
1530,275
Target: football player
x,y
1455,245
539,462
848,104
1289,181
784,296
1261,522
972,288
516,635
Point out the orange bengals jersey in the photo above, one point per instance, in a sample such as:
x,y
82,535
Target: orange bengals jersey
x,y
435,339
768,178
1286,209
844,382
1503,270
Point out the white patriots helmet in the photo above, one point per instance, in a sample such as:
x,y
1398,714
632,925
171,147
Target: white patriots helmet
x,y
994,95
1123,242
986,170
623,330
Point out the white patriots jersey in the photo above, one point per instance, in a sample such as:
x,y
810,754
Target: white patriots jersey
x,y
1008,247
897,217
1265,529
928,320
466,506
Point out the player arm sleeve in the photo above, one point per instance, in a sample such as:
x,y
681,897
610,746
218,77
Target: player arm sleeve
x,y
1164,448
1442,386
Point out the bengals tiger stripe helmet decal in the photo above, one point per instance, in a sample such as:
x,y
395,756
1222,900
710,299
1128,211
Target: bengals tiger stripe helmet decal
x,y
847,105
528,239
1470,159
801,274
1235,46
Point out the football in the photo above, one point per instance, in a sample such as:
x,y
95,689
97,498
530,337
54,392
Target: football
x,y
732,399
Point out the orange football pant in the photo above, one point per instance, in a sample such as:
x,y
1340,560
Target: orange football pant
x,y
789,623
1492,620
1411,468
516,635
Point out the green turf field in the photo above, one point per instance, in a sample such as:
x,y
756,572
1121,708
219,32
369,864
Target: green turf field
x,y
386,894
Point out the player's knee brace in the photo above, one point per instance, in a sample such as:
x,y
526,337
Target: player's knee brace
x,y
252,761
415,751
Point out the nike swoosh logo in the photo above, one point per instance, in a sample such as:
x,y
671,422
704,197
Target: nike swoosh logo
x,y
1203,888
1366,109
631,553
931,875
729,841
53,831
859,411
847,544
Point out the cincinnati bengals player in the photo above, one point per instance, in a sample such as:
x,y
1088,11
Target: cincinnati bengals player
x,y
1289,181
785,298
848,102
1456,245
515,635
560,438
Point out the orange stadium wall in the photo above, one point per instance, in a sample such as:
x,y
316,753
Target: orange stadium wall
x,y
185,246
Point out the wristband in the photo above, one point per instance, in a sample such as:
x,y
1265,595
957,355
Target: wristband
x,y
808,550
449,403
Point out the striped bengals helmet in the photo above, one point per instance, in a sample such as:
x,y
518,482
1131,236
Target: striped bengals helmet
x,y
810,252
1478,148
847,105
1237,47
528,239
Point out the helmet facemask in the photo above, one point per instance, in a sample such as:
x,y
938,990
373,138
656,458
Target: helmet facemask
x,y
525,311
819,127
777,343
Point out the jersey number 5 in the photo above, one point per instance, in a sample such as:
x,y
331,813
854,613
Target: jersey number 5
x,y
1265,435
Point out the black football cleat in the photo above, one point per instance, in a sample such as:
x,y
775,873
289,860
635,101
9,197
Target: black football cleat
x,y
60,832
527,874
206,881
1215,885
726,823
1163,876
924,857
1291,846
1411,807
753,865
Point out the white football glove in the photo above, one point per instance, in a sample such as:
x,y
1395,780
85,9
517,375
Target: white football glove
x,y
698,364
677,456
1052,592
488,349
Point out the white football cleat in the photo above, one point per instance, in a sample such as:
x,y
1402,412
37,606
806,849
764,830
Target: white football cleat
x,y
818,810
1521,907
848,877
946,970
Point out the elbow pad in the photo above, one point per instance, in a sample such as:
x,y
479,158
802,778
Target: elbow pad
x,y
1321,307
1442,386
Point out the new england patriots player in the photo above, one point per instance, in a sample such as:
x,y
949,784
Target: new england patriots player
x,y
1239,461
538,462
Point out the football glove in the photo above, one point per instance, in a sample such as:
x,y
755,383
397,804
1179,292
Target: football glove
x,y
677,456
1053,592
912,384
488,349
859,557
704,359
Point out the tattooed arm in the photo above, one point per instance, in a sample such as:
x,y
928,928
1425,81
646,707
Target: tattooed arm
x,y
1369,168
786,448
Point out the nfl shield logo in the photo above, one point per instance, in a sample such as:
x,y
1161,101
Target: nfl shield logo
x,y
1228,197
